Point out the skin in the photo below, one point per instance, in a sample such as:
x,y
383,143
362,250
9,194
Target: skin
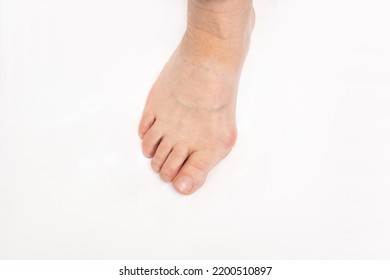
x,y
189,124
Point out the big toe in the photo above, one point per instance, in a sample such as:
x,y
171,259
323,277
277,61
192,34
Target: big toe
x,y
193,174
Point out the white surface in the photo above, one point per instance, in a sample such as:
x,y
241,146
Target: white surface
x,y
309,177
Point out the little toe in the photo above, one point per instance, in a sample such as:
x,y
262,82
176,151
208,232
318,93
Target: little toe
x,y
173,163
193,174
161,155
151,140
145,124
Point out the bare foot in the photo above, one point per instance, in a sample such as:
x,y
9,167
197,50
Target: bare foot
x,y
188,124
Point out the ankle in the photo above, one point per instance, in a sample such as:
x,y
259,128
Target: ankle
x,y
220,29
224,19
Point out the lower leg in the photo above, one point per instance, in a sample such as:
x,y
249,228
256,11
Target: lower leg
x,y
188,124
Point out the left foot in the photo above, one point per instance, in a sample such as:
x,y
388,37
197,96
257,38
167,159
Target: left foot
x,y
188,124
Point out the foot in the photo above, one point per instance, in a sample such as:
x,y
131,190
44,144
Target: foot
x,y
188,124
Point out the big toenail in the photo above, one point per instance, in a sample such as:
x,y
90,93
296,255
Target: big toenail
x,y
184,184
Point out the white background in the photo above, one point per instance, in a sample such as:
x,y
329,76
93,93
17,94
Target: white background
x,y
308,178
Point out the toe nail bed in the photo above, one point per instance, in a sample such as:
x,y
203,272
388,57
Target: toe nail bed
x,y
184,184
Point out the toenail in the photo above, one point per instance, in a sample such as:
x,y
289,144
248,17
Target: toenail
x,y
184,184
165,177
155,167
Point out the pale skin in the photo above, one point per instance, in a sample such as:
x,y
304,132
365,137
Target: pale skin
x,y
188,124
